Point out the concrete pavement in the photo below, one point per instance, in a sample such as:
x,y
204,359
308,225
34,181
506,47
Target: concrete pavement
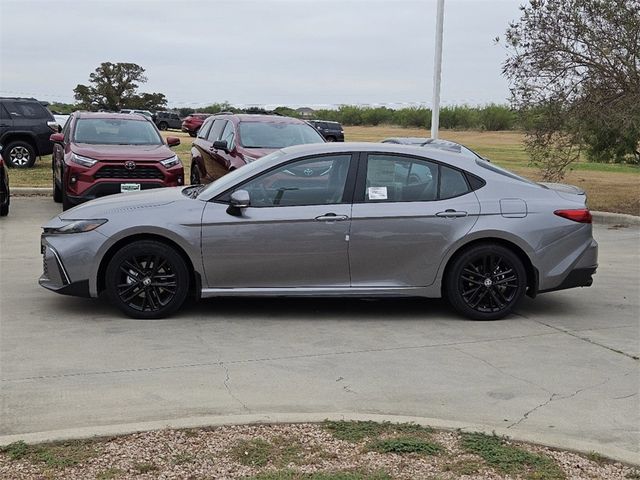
x,y
562,371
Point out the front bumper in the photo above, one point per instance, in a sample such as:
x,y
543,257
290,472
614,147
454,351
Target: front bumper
x,y
109,188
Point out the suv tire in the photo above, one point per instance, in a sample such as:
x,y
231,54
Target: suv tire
x,y
57,192
20,154
163,126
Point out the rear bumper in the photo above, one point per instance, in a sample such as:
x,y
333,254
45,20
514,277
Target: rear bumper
x,y
580,277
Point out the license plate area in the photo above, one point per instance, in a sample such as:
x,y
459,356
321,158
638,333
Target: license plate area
x,y
129,187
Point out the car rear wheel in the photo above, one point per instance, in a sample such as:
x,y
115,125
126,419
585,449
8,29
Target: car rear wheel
x,y
20,154
330,139
57,192
485,282
163,125
195,175
193,134
147,279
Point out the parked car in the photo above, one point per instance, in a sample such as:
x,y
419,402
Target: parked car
x,y
100,154
193,122
61,120
166,120
438,143
145,113
331,131
329,220
25,128
228,141
5,193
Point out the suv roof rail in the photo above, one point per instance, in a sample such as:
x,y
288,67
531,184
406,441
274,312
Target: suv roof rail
x,y
224,113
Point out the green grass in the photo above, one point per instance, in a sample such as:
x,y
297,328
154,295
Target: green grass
x,y
57,455
403,445
355,431
335,475
257,452
510,459
109,474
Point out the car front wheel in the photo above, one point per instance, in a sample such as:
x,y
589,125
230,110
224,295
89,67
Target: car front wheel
x,y
485,282
147,279
20,154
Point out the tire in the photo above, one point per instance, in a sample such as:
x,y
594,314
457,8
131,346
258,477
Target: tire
x,y
20,154
163,126
330,139
66,203
57,192
195,175
4,209
130,276
485,282
193,134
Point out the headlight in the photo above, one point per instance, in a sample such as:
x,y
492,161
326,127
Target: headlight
x,y
77,226
170,162
84,161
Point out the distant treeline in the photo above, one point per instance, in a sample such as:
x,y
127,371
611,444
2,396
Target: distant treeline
x,y
489,117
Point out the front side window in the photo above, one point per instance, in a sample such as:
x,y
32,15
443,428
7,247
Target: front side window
x,y
392,178
204,129
312,181
216,130
228,135
277,135
116,131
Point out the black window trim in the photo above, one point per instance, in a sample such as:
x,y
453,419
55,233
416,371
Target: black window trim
x,y
347,194
361,180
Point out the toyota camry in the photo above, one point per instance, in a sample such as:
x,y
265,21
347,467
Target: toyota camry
x,y
355,219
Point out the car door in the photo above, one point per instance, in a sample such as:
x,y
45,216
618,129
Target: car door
x,y
293,234
6,123
407,212
208,133
227,159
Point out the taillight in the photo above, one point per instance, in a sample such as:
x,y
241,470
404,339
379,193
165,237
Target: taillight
x,y
582,215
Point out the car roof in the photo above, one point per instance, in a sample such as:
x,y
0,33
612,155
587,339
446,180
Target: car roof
x,y
259,117
109,115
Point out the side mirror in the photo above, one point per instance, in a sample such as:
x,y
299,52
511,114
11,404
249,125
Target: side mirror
x,y
221,145
57,138
173,141
240,199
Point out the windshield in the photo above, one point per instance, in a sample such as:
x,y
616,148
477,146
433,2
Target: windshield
x,y
277,135
116,131
229,179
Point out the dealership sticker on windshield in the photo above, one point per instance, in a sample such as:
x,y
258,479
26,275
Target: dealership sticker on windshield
x,y
129,187
377,193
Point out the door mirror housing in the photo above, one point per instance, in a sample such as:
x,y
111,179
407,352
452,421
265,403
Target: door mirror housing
x,y
173,141
57,138
221,145
240,199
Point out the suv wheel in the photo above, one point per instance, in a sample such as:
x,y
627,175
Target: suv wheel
x,y
485,282
330,139
163,125
147,279
20,154
57,192
195,175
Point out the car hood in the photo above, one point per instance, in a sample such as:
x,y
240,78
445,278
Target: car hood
x,y
122,152
123,203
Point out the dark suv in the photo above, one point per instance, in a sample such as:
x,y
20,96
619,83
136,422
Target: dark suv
x,y
331,131
166,120
227,141
99,154
25,128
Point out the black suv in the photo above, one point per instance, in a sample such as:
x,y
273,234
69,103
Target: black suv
x,y
25,128
165,120
331,131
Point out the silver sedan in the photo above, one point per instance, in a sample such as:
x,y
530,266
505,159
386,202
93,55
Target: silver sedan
x,y
354,219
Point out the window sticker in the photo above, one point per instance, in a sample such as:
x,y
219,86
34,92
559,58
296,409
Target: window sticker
x,y
377,193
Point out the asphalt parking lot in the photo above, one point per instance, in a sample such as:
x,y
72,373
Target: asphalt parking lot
x,y
563,371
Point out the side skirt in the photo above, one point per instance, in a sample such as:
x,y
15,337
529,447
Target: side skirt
x,y
316,292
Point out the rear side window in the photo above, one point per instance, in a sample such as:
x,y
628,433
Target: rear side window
x,y
392,178
28,110
3,113
452,183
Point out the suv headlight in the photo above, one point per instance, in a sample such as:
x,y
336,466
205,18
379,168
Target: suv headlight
x,y
84,161
170,162
78,226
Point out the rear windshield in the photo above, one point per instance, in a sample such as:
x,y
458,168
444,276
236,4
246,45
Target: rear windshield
x,y
502,171
277,135
116,131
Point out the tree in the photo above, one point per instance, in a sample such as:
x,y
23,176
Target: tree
x,y
114,86
574,69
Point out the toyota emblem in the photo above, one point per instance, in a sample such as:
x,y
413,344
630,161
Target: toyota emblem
x,y
130,165
308,172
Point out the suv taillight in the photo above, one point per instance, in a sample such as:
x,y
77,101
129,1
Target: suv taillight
x,y
582,215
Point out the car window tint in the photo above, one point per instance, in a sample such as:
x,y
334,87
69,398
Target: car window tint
x,y
452,183
3,113
216,130
204,129
392,178
27,110
312,181
228,135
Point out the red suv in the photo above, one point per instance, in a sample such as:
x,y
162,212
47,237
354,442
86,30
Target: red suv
x,y
99,154
193,122
227,141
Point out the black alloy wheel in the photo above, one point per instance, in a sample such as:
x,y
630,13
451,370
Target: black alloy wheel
x,y
195,175
20,154
163,126
147,279
485,282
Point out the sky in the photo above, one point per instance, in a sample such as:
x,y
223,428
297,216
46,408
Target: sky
x,y
260,52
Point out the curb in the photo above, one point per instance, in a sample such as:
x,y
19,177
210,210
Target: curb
x,y
603,218
559,441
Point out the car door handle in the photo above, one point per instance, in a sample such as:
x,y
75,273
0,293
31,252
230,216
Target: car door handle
x,y
331,217
450,213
